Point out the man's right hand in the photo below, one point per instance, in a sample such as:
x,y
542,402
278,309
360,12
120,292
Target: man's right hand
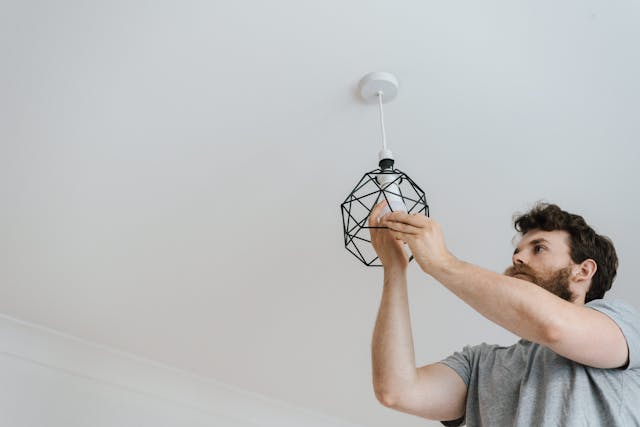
x,y
390,251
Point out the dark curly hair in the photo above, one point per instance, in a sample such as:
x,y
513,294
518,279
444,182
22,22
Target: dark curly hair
x,y
584,242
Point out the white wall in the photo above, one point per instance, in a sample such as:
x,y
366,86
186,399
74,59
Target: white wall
x,y
54,380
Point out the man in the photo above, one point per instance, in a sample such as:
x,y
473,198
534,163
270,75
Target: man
x,y
578,362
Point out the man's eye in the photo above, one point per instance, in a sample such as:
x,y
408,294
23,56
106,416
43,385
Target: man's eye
x,y
538,248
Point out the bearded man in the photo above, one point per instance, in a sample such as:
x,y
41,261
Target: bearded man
x,y
577,362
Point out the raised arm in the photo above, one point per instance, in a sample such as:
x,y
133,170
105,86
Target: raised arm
x,y
529,311
433,391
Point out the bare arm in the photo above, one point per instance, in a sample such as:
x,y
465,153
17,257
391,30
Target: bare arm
x,y
575,332
519,306
392,353
433,391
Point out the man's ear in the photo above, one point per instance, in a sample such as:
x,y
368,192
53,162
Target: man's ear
x,y
585,270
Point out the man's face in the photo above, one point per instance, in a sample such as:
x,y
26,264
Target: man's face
x,y
542,257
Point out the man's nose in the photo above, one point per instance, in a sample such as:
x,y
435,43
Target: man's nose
x,y
518,258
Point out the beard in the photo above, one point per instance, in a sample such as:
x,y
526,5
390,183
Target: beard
x,y
556,282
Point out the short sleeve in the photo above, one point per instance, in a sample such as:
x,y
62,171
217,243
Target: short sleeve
x,y
628,320
461,362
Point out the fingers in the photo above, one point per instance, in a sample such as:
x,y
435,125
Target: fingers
x,y
401,237
401,227
375,213
415,220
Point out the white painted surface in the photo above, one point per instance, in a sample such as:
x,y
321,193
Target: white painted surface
x,y
56,380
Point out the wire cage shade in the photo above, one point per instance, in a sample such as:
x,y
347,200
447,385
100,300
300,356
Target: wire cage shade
x,y
358,205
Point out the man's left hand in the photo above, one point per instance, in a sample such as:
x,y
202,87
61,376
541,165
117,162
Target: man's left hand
x,y
424,237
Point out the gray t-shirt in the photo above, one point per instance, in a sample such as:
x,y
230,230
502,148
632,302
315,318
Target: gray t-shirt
x,y
527,384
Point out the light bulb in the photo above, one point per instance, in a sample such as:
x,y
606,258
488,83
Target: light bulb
x,y
388,185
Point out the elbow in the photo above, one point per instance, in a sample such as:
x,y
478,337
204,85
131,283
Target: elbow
x,y
391,390
551,335
544,329
387,399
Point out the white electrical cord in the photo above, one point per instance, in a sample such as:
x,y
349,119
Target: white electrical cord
x,y
384,136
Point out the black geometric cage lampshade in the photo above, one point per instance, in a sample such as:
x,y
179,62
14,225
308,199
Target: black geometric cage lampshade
x,y
385,183
367,193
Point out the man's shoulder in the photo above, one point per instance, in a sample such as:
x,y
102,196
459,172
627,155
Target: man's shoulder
x,y
611,302
627,318
615,308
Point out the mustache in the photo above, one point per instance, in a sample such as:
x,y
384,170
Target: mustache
x,y
519,269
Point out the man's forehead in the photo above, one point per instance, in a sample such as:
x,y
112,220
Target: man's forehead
x,y
555,237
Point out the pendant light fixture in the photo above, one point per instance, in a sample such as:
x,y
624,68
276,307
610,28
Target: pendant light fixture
x,y
385,183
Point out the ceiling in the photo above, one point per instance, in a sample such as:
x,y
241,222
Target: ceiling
x,y
171,172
